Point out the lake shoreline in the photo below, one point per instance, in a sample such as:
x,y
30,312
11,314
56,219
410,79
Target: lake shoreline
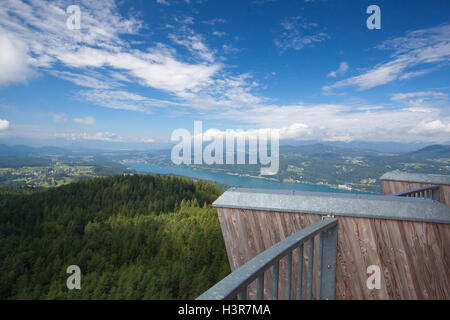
x,y
235,179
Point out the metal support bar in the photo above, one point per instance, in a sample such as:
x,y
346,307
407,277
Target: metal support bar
x,y
260,289
328,268
243,294
310,268
319,266
275,275
299,272
235,283
435,194
287,293
422,192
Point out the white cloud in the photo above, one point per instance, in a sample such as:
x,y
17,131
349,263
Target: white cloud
x,y
156,68
147,140
421,100
219,33
214,21
86,120
420,47
299,33
379,75
124,100
100,136
194,43
291,132
413,74
228,48
42,25
432,128
59,117
404,96
227,93
348,122
165,2
343,67
98,45
4,124
184,20
13,59
95,81
97,57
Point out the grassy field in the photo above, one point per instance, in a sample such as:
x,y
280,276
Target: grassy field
x,y
50,176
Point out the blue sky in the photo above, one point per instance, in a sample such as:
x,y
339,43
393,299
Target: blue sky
x,y
137,70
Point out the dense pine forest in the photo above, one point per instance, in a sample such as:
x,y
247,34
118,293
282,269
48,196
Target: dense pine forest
x,y
133,237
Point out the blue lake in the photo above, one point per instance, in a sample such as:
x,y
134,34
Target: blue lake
x,y
231,180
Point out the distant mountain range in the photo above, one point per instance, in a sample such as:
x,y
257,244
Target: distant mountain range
x,y
321,150
27,151
317,163
325,150
96,145
434,151
308,148
320,163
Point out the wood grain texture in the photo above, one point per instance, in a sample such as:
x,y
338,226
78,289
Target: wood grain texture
x,y
390,186
413,256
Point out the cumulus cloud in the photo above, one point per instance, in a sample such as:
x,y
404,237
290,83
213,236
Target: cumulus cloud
x,y
350,122
4,124
14,59
431,128
293,131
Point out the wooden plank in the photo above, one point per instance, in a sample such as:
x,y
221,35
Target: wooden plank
x,y
413,256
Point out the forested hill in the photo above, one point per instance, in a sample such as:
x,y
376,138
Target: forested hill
x,y
133,237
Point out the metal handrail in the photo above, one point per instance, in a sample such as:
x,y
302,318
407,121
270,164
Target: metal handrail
x,y
236,283
428,192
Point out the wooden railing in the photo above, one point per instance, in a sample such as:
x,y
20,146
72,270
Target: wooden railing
x,y
236,283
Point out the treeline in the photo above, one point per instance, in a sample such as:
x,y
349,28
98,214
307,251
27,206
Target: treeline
x,y
133,237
